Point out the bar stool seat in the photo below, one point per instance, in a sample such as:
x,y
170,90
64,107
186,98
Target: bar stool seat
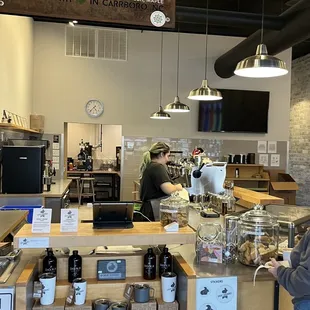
x,y
91,192
77,180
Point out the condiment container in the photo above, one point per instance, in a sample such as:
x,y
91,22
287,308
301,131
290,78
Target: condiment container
x,y
174,210
258,237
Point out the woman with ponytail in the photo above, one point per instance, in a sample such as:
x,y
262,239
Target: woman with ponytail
x,y
154,178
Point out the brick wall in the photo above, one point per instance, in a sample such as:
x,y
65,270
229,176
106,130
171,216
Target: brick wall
x,y
299,154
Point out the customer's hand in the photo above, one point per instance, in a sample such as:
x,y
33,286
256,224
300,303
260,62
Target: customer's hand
x,y
179,187
274,269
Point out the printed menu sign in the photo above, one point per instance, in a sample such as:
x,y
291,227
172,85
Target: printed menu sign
x,y
158,13
69,220
41,221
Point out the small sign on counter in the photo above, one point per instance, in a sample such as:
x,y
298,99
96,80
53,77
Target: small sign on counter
x,y
6,298
41,221
33,243
69,220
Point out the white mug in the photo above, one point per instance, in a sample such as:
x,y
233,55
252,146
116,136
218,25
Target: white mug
x,y
79,286
48,281
168,286
287,255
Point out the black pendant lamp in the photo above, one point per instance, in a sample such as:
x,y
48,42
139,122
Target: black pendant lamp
x,y
177,106
261,65
205,93
161,114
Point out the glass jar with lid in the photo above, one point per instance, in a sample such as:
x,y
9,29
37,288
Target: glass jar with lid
x,y
174,210
258,237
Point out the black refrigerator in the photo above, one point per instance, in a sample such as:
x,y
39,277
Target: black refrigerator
x,y
22,169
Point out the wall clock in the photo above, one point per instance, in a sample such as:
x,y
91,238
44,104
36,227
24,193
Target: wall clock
x,y
94,108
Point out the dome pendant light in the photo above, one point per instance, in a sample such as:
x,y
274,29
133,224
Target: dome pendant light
x,y
205,93
261,65
161,114
177,106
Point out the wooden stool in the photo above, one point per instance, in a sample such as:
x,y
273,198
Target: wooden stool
x,y
91,188
78,184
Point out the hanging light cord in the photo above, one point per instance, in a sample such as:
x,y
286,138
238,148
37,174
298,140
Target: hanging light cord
x,y
207,29
161,72
263,15
178,62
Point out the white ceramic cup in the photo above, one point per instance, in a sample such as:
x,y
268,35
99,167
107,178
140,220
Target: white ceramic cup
x,y
80,286
48,281
168,286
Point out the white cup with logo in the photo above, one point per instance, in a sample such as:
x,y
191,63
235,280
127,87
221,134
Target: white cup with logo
x,y
80,287
168,286
48,282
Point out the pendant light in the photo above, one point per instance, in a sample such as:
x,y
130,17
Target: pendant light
x,y
205,93
261,65
161,114
177,106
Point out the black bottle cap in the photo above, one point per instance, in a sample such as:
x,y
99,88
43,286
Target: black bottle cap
x,y
150,250
75,252
165,250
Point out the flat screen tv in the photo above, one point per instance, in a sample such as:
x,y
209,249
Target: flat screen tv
x,y
238,111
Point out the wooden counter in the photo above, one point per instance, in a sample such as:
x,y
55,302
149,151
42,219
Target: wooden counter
x,y
142,234
93,172
57,190
248,198
9,220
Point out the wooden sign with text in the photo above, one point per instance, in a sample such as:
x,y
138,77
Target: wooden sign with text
x,y
132,12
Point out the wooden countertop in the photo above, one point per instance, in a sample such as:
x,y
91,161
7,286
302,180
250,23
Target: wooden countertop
x,y
142,234
251,197
9,220
94,172
213,270
57,190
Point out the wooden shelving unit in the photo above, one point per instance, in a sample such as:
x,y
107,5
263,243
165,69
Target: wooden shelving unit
x,y
17,128
247,177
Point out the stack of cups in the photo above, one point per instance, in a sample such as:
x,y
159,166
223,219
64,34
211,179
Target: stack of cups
x,y
101,304
168,286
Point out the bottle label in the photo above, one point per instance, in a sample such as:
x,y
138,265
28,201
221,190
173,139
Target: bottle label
x,y
50,269
75,271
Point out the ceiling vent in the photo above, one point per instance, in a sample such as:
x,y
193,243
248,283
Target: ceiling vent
x,y
108,44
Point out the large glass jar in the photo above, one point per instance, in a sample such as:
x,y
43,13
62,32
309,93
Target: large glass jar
x,y
174,210
258,237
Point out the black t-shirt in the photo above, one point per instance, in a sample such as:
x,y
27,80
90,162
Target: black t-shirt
x,y
153,177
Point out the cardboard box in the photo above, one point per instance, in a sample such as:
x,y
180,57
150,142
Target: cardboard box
x,y
167,305
59,304
151,305
37,122
86,306
282,185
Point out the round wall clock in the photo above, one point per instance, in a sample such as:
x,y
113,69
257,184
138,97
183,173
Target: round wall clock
x,y
94,108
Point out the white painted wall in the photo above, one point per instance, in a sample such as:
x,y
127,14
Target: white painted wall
x,y
130,90
16,64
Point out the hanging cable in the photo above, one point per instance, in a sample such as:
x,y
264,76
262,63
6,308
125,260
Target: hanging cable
x,y
178,61
207,29
263,15
161,71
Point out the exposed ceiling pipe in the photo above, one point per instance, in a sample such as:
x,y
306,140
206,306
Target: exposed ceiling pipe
x,y
230,18
296,30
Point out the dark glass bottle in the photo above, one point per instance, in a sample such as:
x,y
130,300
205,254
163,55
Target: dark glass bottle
x,y
165,262
149,268
74,266
50,262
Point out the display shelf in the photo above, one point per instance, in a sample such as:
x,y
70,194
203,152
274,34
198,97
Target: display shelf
x,y
141,234
18,128
244,165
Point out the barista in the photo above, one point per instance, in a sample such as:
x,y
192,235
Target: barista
x,y
155,181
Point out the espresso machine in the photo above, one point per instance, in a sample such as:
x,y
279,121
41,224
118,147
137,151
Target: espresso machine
x,y
85,159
